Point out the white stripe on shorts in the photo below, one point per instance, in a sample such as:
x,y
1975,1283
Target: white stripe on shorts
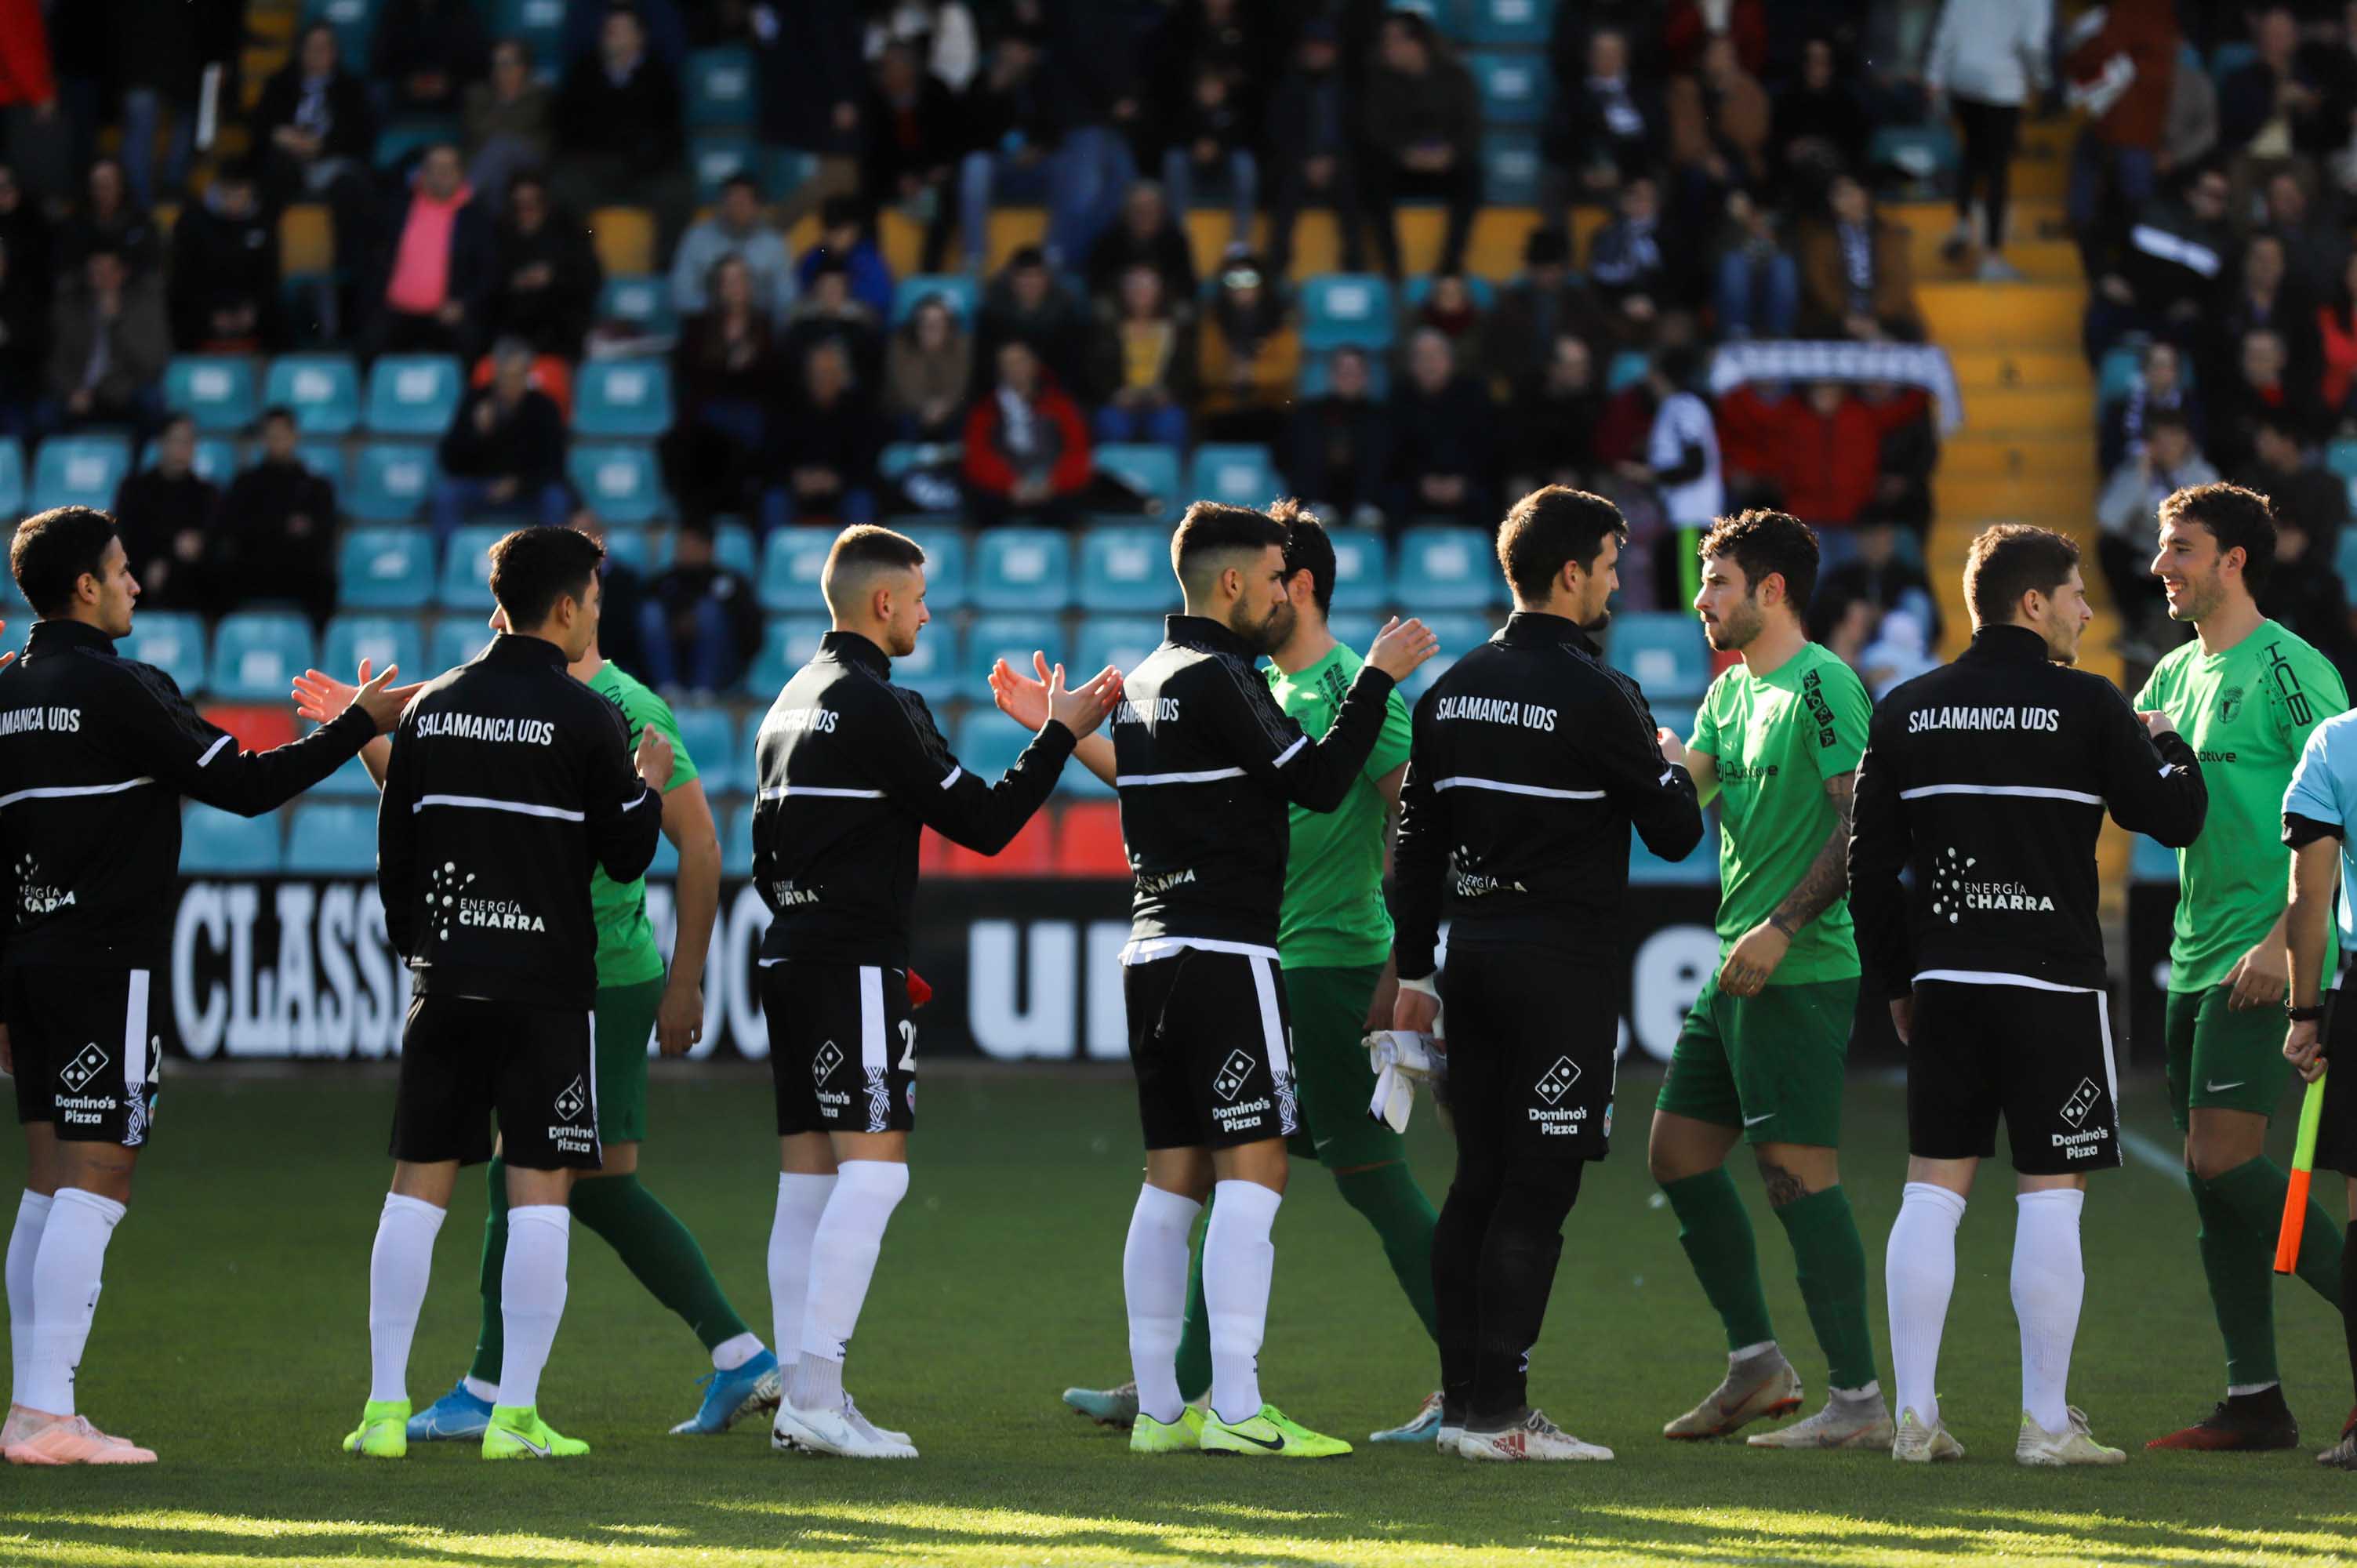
x,y
872,1053
1272,1017
134,1033
2000,977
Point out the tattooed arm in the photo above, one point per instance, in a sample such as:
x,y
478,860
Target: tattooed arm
x,y
1753,958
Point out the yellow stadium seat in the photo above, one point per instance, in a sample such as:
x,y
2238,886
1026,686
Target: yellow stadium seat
x,y
625,238
306,240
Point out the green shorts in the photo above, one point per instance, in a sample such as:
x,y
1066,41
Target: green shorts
x,y
1331,1071
2224,1060
1771,1064
626,1021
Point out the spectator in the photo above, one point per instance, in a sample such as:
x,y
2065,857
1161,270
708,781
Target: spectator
x,y
35,135
1311,148
318,133
1877,613
942,31
1148,234
2168,277
1988,57
735,228
108,345
1554,416
2313,250
2159,388
1029,305
545,273
1443,436
437,268
2305,593
725,369
1606,127
275,536
504,452
2305,492
23,330
811,76
928,368
844,237
2189,134
31,246
2130,511
507,120
1689,28
1422,121
1449,308
1826,447
108,219
2268,113
2120,64
620,131
915,135
827,313
1027,448
699,623
1337,447
1093,73
2262,391
166,514
1142,363
1758,285
1818,125
1626,266
1547,302
1210,144
824,447
1252,358
224,275
1857,275
1680,466
2267,299
2336,326
426,54
1719,125
1011,127
159,55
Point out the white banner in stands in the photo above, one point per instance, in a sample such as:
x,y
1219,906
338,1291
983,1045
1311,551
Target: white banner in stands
x,y
1925,365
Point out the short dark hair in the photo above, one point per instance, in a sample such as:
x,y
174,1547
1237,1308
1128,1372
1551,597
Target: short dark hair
x,y
864,548
1212,527
1307,548
1549,528
53,551
534,568
1766,545
2238,519
277,411
2009,559
743,178
2162,419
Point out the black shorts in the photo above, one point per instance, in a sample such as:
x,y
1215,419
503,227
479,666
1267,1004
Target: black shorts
x,y
1531,1044
464,1061
2041,1058
1210,1041
2336,1133
843,1050
86,1052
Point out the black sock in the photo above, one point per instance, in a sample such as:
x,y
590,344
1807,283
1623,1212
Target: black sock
x,y
1456,1236
1517,1273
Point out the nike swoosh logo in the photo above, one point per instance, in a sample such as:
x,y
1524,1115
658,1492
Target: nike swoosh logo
x,y
2223,1088
537,1448
1257,1441
1755,1120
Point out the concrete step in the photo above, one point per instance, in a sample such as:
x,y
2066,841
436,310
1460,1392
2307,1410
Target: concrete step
x,y
2037,457
1987,370
2033,407
2004,315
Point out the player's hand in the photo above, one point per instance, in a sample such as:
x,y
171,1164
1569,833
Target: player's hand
x,y
1020,697
2304,1047
1417,1013
1673,750
1752,959
679,1020
1902,1016
1082,708
1401,646
380,699
2260,978
653,758
2157,724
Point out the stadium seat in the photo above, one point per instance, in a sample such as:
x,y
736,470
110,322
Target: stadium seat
x,y
2347,551
1032,852
1628,368
2231,56
1238,474
1122,642
214,390
785,170
215,460
325,459
1012,638
1316,377
946,562
380,639
402,145
986,746
257,654
79,470
624,237
2152,861
350,782
722,89
391,483
465,582
1126,566
732,546
748,741
1510,168
1459,632
642,300
619,482
1505,21
1513,85
1442,566
791,564
1088,837
959,292
331,838
1663,651
1151,470
1346,307
173,641
412,395
628,546
323,391
2117,377
457,639
1363,568
665,867
1019,568
1922,154
540,23
12,479
622,397
787,645
931,672
355,24
1678,718
710,736
1700,867
736,842
714,157
2341,457
215,843
386,569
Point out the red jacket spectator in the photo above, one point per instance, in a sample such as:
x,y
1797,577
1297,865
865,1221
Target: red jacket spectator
x,y
1026,447
2121,61
25,74
1824,448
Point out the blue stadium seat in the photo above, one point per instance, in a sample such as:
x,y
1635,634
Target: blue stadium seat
x,y
1664,650
732,546
791,564
1417,290
2347,551
391,483
215,843
736,841
641,300
1628,368
1441,566
325,459
258,653
401,144
2341,457
748,745
959,292
540,23
457,639
946,565
1012,638
1513,85
1363,568
215,460
710,736
350,782
1316,377
787,645
1922,154
2117,377
412,395
386,569
1505,21
380,639
1510,168
1459,633
214,390
665,864
355,24
1354,629
931,672
1239,474
986,744
323,391
330,838
1699,867
1678,718
714,157
2152,861
1346,307
1151,470
722,89
622,397
173,641
466,580
1021,568
1122,642
619,482
785,170
79,470
12,479
2231,56
1126,566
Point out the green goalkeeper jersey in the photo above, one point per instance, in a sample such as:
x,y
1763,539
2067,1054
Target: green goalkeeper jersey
x,y
1334,916
627,955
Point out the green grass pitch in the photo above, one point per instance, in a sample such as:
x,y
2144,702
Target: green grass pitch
x,y
233,1338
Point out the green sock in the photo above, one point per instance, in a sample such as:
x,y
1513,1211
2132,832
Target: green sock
x,y
1717,1234
2256,1189
1195,1334
1831,1262
1403,1218
491,1339
2239,1267
659,1252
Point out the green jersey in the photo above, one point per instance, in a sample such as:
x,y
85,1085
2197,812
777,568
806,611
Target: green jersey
x,y
1777,738
2246,712
627,955
1334,916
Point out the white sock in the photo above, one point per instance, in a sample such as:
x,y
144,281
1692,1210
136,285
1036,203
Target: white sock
x,y
1154,1283
24,1245
532,1297
489,1392
1239,1264
67,1274
1919,1273
399,1266
849,1240
801,1200
2048,1283
731,1354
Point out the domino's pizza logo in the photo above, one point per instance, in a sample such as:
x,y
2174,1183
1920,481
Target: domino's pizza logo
x,y
86,1064
1232,1075
2082,1103
1558,1080
829,1057
572,1099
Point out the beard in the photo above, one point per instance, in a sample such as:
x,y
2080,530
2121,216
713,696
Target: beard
x,y
1731,633
1270,634
2199,599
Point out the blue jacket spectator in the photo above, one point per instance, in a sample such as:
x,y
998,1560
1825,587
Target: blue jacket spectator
x,y
736,228
845,237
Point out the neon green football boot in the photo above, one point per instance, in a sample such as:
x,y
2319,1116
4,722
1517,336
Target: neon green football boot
x,y
1184,1436
517,1433
384,1431
1270,1434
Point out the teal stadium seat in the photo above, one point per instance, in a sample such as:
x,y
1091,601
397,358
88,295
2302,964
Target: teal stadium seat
x,y
665,864
386,569
1505,21
1122,642
390,482
1678,718
1443,566
2231,56
1126,566
1459,633
791,564
1151,470
617,481
1012,637
380,639
2152,861
2117,377
539,24
736,841
986,744
931,672
215,843
401,144
322,390
325,459
173,641
215,460
1924,156
1510,168
1513,85
1346,307
716,157
946,563
1664,652
710,737
465,582
1363,568
79,470
722,87
214,390
1237,474
12,479
2341,457
1021,568
959,292
785,170
630,547
1628,368
455,640
349,782
331,838
622,397
355,24
642,301
257,654
412,395
749,742
1316,377
787,644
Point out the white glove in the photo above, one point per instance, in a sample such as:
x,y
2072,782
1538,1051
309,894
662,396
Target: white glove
x,y
1401,1061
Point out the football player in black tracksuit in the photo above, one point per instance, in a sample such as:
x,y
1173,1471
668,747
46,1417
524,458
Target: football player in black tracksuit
x,y
95,753
1531,760
1990,778
852,771
508,780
